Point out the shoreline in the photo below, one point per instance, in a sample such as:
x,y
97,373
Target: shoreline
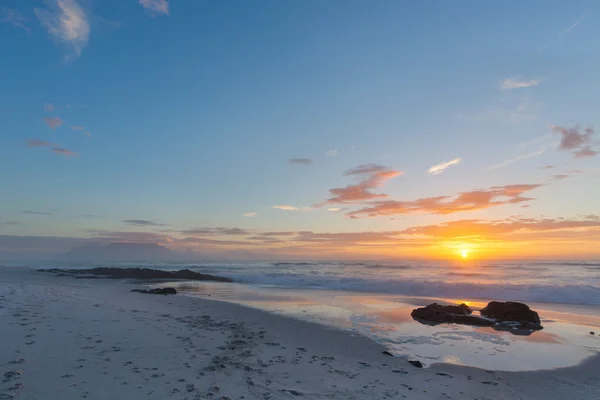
x,y
95,339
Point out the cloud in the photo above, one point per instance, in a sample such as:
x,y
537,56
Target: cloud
x,y
301,161
63,152
439,168
334,209
156,6
36,212
466,201
572,26
220,231
514,83
576,139
560,176
53,122
131,237
88,134
37,143
67,23
49,107
521,157
332,153
77,128
10,223
547,167
585,151
370,176
249,214
287,208
15,18
142,222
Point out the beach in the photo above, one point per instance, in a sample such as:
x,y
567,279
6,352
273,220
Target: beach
x,y
93,338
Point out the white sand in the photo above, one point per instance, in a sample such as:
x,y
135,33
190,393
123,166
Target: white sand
x,y
64,338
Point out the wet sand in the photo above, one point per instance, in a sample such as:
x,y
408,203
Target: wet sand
x,y
69,339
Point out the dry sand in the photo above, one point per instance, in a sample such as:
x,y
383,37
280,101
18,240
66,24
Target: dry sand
x,y
65,338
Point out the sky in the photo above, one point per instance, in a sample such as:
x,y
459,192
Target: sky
x,y
301,129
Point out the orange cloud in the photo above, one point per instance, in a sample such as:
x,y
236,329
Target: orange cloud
x,y
370,176
466,201
64,152
53,122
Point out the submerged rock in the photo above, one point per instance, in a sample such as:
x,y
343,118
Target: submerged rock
x,y
168,290
137,273
509,311
417,364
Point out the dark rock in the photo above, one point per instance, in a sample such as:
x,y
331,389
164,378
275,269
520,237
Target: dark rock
x,y
439,314
416,363
138,273
167,290
387,353
512,311
592,333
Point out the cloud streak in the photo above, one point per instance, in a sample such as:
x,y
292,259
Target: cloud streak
x,y
515,83
443,205
249,214
142,222
518,158
38,143
67,23
15,18
156,6
300,161
64,152
441,167
286,208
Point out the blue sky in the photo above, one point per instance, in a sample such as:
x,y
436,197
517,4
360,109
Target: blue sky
x,y
185,114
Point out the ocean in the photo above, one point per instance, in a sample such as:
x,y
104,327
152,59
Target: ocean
x,y
375,299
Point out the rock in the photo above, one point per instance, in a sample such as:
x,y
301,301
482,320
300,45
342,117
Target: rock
x,y
416,363
387,353
439,314
512,311
157,291
137,273
592,333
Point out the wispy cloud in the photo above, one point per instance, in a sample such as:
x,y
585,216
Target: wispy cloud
x,y
334,209
36,212
560,176
67,23
38,143
301,161
78,128
576,140
370,176
15,18
564,33
53,122
250,214
287,208
49,107
521,157
219,231
156,6
515,83
332,153
585,151
142,222
10,223
466,201
64,152
88,134
439,168
547,167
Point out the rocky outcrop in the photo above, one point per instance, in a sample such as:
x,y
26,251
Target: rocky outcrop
x,y
168,290
512,317
137,273
439,314
518,313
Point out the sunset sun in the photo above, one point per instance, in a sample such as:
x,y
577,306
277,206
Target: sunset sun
x,y
464,253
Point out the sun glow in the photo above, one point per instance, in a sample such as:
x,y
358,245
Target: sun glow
x,y
464,253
